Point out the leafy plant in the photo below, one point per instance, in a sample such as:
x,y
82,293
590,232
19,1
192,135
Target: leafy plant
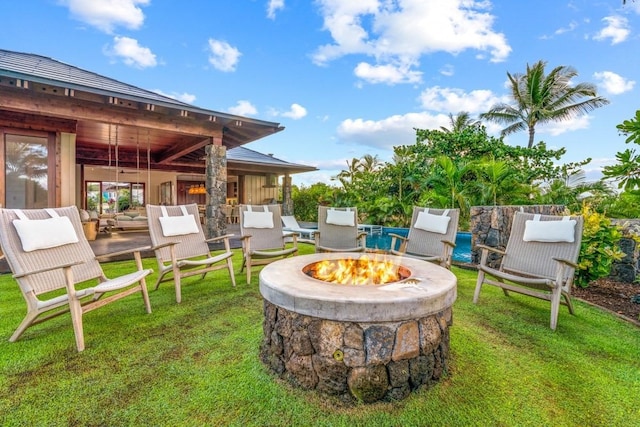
x,y
627,170
307,199
599,248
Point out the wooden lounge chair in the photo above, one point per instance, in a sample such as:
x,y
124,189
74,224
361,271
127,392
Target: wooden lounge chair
x,y
539,260
431,237
47,251
338,230
263,240
181,247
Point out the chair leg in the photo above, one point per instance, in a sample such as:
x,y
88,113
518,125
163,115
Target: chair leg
x,y
178,283
479,282
145,295
26,322
567,299
231,273
248,271
556,294
76,319
161,273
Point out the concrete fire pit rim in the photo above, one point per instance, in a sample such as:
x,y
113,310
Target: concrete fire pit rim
x,y
284,284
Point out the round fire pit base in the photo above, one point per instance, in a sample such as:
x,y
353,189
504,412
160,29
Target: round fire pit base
x,y
360,343
359,361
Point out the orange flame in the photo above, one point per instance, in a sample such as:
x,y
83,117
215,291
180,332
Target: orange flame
x,y
362,271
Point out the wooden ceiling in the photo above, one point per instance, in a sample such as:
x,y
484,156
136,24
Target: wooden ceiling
x,y
109,128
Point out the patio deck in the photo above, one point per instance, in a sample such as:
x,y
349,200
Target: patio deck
x,y
119,241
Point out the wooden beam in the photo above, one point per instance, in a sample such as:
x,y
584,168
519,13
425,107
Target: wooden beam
x,y
19,100
181,149
12,119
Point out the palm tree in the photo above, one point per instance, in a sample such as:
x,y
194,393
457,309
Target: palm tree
x,y
539,98
497,183
448,180
370,164
347,177
460,122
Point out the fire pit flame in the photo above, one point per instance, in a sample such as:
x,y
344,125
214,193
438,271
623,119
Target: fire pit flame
x,y
363,271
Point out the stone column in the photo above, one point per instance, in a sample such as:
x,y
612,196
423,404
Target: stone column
x,y
216,184
287,202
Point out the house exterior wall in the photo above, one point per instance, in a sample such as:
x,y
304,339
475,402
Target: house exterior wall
x,y
257,191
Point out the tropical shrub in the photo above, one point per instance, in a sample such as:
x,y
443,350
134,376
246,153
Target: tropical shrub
x,y
599,248
306,200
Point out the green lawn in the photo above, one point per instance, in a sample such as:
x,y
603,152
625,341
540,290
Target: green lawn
x,y
196,363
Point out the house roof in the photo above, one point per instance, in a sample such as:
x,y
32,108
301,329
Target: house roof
x,y
38,68
39,91
247,157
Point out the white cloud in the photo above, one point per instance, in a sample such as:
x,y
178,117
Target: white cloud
x,y
243,108
454,100
617,29
399,33
296,112
388,73
558,128
184,97
572,26
391,131
447,70
400,129
325,176
273,6
132,53
108,14
613,83
223,56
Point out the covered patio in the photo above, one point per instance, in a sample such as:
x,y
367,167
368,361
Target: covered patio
x,y
88,128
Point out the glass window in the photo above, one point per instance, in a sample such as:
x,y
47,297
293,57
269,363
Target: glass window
x,y
112,197
26,172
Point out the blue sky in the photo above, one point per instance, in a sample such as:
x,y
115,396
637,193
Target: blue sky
x,y
348,78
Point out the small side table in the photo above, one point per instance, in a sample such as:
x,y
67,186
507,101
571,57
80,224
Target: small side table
x,y
90,229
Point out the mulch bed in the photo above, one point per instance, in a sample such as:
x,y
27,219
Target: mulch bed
x,y
613,296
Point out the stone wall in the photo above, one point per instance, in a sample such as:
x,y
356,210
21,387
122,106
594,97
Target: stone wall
x,y
627,269
356,361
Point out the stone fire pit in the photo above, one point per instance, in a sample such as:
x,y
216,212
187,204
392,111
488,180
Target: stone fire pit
x,y
366,343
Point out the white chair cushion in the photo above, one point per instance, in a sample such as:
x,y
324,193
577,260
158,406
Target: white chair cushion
x,y
346,218
433,223
258,219
178,225
45,233
549,231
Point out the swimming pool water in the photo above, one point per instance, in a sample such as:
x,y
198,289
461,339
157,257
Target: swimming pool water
x,y
461,253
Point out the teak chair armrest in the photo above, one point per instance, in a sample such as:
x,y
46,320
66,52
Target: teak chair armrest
x,y
566,262
43,270
492,249
124,252
215,239
164,245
